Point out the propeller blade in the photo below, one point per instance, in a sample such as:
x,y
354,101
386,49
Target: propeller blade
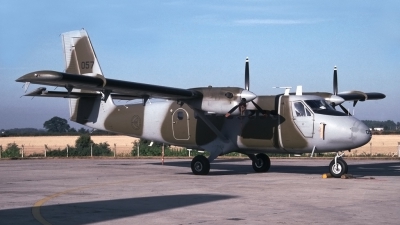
x,y
259,108
233,109
241,103
345,110
335,81
247,75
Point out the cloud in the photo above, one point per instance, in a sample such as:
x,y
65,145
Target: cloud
x,y
255,22
217,21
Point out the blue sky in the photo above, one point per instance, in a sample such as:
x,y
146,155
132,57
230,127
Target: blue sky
x,y
199,43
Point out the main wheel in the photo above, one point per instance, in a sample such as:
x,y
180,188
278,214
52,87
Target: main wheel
x,y
340,169
200,165
262,164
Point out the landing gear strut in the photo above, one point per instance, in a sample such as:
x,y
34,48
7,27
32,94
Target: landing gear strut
x,y
338,166
261,162
200,165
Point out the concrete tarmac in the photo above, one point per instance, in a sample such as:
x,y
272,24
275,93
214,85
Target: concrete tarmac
x,y
142,191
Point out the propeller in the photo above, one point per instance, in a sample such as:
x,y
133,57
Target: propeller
x,y
335,85
247,75
247,86
335,92
242,103
242,108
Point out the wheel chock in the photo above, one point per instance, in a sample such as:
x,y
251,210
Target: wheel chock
x,y
326,175
347,176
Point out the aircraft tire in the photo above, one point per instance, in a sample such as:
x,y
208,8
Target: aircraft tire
x,y
346,166
342,168
200,165
263,165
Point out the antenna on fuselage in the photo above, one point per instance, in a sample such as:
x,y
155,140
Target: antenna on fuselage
x,y
287,89
299,90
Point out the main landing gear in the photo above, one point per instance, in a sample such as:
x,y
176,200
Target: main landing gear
x,y
201,165
338,166
260,162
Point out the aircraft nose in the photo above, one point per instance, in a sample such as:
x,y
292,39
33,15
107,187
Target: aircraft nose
x,y
248,95
360,133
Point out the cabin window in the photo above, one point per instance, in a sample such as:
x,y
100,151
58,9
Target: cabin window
x,y
300,109
180,115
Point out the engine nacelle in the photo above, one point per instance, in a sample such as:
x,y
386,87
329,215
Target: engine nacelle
x,y
220,100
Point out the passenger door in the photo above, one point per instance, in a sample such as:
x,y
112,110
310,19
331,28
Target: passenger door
x,y
180,124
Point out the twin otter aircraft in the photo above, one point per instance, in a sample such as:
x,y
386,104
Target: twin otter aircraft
x,y
219,120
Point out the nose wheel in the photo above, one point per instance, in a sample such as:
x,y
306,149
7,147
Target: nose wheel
x,y
338,166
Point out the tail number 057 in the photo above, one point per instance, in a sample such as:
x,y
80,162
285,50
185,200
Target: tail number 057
x,y
87,64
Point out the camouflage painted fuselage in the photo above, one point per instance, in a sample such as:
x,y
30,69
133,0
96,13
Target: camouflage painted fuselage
x,y
279,132
198,121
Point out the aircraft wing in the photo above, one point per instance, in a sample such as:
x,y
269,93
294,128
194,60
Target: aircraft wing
x,y
360,96
92,82
42,92
347,96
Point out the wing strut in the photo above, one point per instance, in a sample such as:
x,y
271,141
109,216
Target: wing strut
x,y
145,99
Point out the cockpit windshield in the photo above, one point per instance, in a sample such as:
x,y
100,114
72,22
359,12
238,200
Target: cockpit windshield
x,y
317,105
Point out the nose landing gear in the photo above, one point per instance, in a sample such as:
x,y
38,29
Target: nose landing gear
x,y
338,166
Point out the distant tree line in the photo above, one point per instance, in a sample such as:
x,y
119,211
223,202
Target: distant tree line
x,y
84,146
388,125
54,127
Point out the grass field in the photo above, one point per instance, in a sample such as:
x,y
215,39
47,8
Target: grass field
x,y
379,144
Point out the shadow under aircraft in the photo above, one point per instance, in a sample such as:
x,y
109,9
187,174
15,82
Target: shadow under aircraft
x,y
80,213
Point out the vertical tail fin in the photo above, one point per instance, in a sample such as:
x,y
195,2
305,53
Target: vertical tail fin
x,y
80,58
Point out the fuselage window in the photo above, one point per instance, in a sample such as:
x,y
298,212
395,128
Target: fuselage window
x,y
300,109
180,115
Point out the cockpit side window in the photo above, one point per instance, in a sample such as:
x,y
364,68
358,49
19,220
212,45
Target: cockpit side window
x,y
323,107
316,105
299,109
